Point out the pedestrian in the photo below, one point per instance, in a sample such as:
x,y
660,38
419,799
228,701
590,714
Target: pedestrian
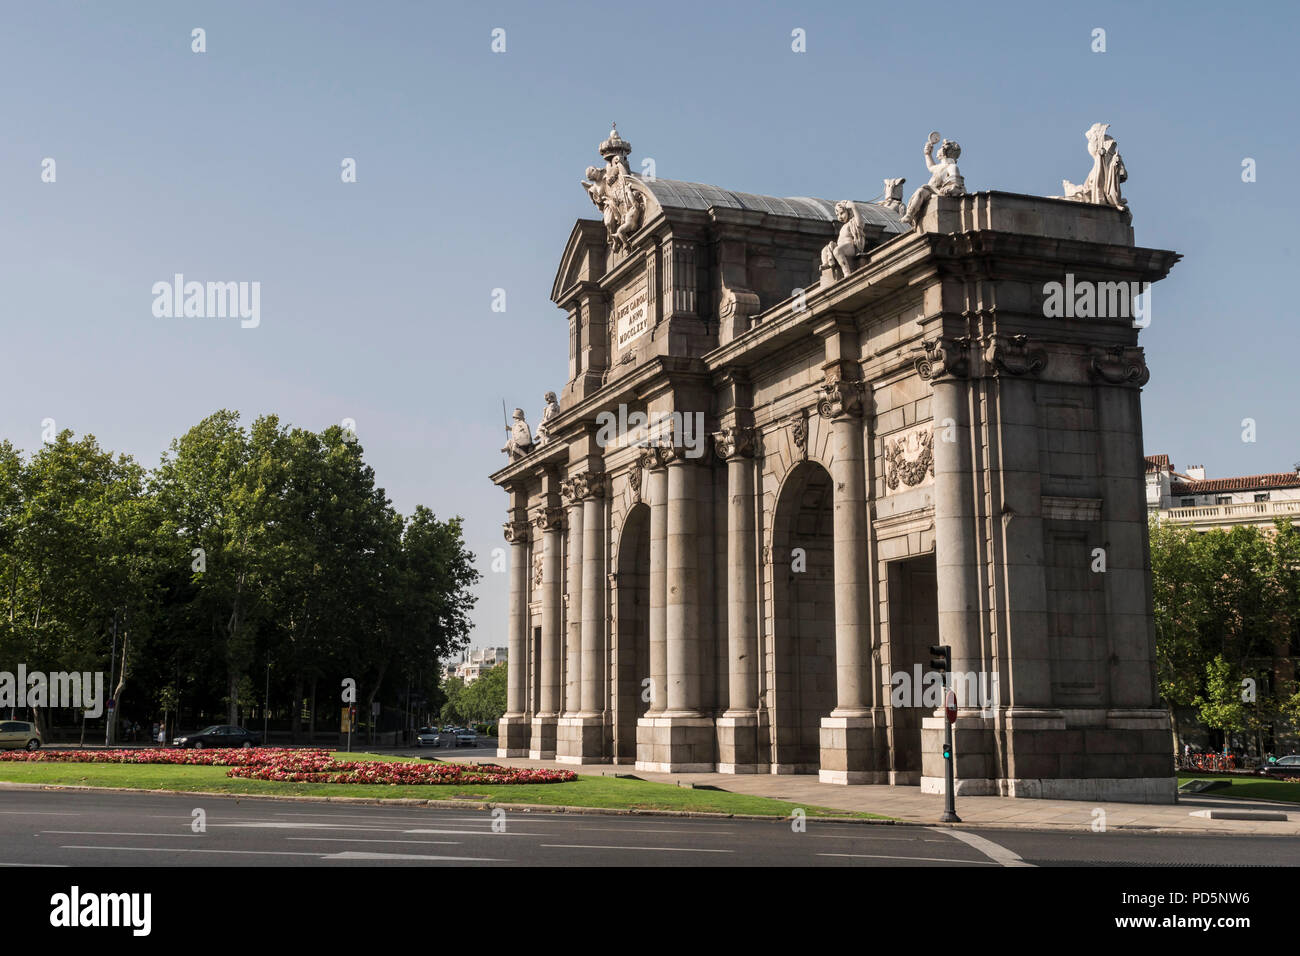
x,y
162,736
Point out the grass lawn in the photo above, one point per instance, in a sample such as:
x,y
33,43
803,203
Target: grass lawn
x,y
586,791
1248,788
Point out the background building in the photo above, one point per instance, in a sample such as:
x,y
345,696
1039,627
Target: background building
x,y
1190,497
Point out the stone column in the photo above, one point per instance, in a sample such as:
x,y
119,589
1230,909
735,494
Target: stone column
x,y
573,604
593,600
946,365
513,729
683,694
738,726
656,495
847,733
550,521
582,728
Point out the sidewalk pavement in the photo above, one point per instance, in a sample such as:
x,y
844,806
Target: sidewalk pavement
x,y
909,804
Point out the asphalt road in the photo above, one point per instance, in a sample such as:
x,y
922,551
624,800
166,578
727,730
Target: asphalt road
x,y
77,828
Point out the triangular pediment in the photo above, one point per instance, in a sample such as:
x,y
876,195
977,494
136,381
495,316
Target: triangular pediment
x,y
583,259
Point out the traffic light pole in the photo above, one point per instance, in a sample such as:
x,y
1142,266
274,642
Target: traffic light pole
x,y
941,660
949,798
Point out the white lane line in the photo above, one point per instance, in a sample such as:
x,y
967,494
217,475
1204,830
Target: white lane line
x,y
355,840
874,838
349,828
173,849
469,833
367,855
994,851
918,859
647,830
668,849
43,813
119,833
34,864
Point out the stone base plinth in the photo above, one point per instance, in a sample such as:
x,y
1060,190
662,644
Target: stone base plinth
x,y
848,751
676,744
1078,754
514,732
541,745
580,740
738,743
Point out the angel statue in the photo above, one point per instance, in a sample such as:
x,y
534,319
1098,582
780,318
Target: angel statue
x,y
1102,184
945,178
841,254
550,411
520,442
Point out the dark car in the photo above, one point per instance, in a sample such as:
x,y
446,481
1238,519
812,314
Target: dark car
x,y
219,735
1285,767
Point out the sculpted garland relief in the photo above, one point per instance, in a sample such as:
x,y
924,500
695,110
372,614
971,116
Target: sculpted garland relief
x,y
909,460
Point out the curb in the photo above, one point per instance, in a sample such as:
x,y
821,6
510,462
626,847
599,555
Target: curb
x,y
613,812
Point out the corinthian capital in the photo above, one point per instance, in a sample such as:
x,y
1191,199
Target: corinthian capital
x,y
549,519
516,531
944,357
587,484
840,397
735,441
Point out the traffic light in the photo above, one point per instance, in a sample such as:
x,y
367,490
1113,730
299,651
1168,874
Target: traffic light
x,y
940,658
947,750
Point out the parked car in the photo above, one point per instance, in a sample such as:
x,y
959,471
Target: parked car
x,y
219,735
426,737
15,734
1284,767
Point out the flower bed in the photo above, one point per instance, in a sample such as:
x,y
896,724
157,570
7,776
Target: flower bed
x,y
304,766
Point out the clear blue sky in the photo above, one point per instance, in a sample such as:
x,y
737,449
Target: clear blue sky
x,y
376,296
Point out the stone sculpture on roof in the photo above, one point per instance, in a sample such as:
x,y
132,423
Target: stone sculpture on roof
x,y
613,192
945,178
1103,182
550,411
520,442
841,254
893,200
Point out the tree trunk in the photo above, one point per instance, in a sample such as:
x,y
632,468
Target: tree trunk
x,y
311,733
370,701
295,719
233,688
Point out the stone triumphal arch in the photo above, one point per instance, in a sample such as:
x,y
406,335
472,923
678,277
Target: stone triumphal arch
x,y
802,441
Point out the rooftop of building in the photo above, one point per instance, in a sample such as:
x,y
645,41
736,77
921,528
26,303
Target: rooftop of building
x,y
677,194
1182,484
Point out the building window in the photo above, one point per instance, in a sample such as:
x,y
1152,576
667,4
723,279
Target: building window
x,y
1262,496
1188,503
1223,500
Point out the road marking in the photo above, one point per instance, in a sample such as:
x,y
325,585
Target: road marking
x,y
173,849
354,840
34,864
668,849
647,830
44,813
994,851
118,833
918,859
367,855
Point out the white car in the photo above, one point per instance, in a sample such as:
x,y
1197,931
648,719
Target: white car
x,y
16,734
426,737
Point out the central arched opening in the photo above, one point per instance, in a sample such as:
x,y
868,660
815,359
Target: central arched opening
x,y
632,634
803,575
